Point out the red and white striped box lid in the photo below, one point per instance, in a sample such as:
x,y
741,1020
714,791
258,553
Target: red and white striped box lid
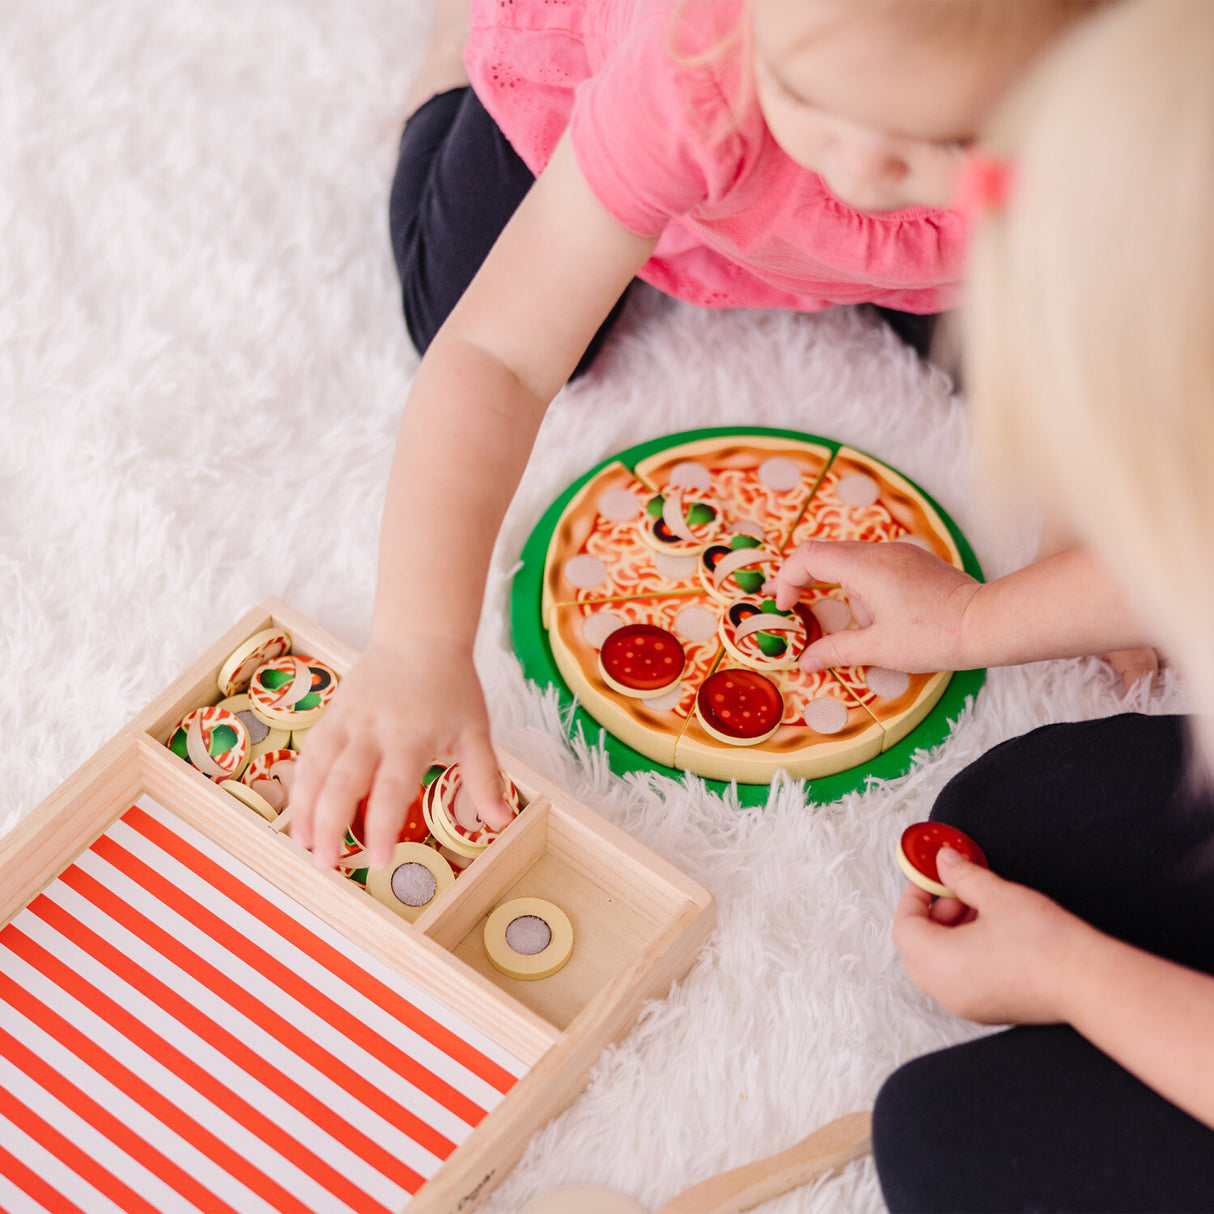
x,y
178,1034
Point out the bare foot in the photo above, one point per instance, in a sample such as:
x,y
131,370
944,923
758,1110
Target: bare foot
x,y
442,66
1134,665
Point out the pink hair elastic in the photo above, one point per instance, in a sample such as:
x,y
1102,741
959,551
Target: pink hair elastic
x,y
985,184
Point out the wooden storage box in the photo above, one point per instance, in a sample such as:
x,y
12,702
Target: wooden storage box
x,y
192,1014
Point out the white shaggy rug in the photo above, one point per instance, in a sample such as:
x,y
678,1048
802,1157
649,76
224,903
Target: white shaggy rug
x,y
201,368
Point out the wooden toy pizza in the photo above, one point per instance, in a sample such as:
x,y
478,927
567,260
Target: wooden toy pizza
x,y
642,597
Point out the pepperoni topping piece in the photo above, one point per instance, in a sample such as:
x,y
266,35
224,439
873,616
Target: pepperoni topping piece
x,y
414,829
642,659
739,706
921,843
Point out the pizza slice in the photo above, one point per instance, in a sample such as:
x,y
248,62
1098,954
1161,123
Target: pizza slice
x,y
756,481
748,725
635,664
897,701
859,498
596,553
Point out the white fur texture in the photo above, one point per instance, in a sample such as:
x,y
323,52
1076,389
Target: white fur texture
x,y
202,365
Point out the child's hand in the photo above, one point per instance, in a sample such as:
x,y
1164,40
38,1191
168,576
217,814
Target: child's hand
x,y
1133,665
1002,954
910,605
397,711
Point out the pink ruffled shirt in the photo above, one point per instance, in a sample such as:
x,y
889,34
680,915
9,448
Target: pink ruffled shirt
x,y
668,134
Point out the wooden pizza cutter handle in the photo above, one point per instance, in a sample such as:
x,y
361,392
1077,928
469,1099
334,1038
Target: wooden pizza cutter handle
x,y
833,1146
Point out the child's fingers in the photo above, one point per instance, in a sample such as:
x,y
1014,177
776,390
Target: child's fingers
x,y
915,903
324,744
397,779
949,911
810,562
482,778
972,883
850,647
349,775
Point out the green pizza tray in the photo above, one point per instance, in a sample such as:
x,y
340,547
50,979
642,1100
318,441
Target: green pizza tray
x,y
534,652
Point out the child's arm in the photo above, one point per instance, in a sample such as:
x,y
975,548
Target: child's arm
x,y
468,427
1022,959
918,613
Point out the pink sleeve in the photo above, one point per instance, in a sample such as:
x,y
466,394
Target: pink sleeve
x,y
652,137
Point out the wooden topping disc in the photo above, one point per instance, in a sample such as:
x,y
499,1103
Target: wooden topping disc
x,y
515,925
414,829
292,691
271,775
737,568
213,740
449,812
739,706
642,660
246,796
437,821
262,737
919,846
239,666
413,877
758,635
682,519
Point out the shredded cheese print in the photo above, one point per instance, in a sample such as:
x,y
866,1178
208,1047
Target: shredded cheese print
x,y
745,497
800,689
630,563
827,518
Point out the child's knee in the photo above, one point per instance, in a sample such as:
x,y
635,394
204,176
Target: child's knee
x,y
457,183
913,1135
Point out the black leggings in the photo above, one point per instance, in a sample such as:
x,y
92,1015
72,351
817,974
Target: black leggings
x,y
457,183
1101,817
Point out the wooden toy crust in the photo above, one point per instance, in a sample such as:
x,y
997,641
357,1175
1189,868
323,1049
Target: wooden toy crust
x,y
572,531
742,452
899,715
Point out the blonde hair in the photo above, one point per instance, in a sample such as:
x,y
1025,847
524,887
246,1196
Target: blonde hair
x,y
1089,328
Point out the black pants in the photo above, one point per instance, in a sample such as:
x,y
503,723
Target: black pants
x,y
457,183
1100,817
